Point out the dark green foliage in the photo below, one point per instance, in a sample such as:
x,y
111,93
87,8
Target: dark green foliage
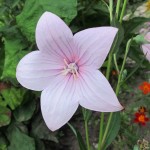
x,y
33,9
5,116
21,124
23,141
18,106
114,129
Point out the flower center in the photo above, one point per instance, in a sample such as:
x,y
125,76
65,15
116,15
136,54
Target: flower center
x,y
142,118
146,88
70,68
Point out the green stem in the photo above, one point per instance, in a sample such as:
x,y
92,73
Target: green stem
x,y
118,8
87,135
101,130
105,4
117,90
115,62
110,58
102,113
111,10
107,128
125,56
109,65
107,76
123,65
123,10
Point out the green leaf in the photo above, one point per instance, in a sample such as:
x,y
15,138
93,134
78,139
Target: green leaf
x,y
5,116
119,37
3,147
102,6
79,137
33,9
80,141
3,142
19,140
13,53
39,144
40,130
113,130
2,102
25,111
2,58
132,24
136,53
13,96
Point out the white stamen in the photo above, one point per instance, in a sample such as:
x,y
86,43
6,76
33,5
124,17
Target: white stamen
x,y
70,68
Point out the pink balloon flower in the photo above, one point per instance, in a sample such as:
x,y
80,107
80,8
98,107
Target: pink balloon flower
x,y
65,69
146,47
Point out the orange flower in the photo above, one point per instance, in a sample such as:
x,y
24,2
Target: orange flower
x,y
141,118
145,87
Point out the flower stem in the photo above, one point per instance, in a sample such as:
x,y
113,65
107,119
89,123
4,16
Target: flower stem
x,y
101,136
110,58
102,113
117,90
123,10
111,10
123,64
87,134
109,65
107,128
115,62
101,130
118,8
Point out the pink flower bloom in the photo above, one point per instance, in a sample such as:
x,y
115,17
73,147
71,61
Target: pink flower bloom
x,y
146,47
65,69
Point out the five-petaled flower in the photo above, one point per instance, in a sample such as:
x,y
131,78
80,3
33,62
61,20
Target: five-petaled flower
x,y
65,69
141,118
145,87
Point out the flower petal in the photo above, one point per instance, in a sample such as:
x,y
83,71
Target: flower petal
x,y
36,70
59,102
54,37
146,51
94,44
147,36
97,93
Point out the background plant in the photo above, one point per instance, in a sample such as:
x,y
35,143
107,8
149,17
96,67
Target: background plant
x,y
20,116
